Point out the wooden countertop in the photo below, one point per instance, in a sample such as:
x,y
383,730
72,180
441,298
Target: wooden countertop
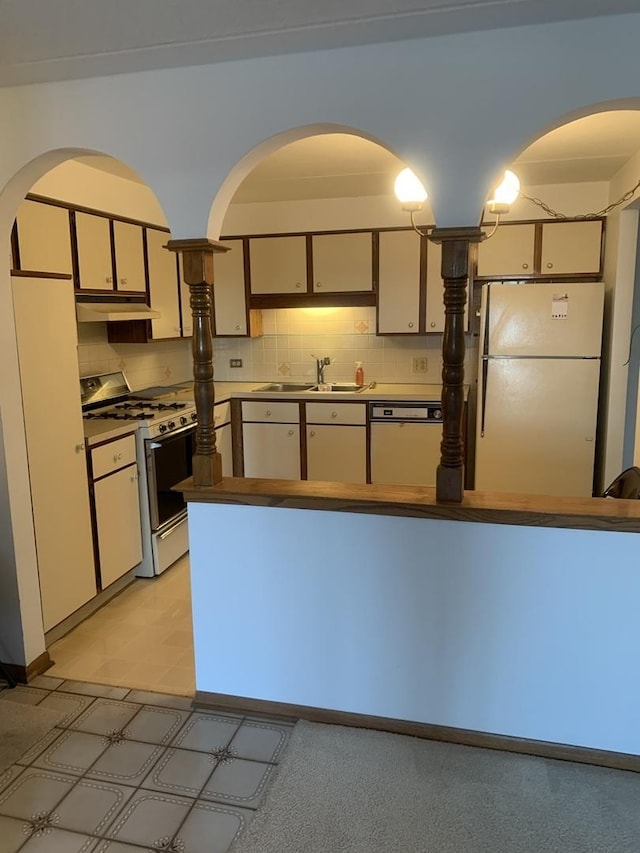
x,y
419,502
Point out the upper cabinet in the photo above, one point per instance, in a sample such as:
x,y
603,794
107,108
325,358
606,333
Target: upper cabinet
x,y
44,238
543,250
400,281
342,262
163,286
231,316
95,261
434,320
278,264
128,240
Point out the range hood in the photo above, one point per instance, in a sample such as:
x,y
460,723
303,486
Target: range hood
x,y
102,312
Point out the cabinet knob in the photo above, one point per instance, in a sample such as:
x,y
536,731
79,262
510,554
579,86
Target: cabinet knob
x,y
134,477
109,279
268,413
411,325
433,324
79,447
291,432
318,284
298,284
525,266
117,457
124,280
312,433
549,266
237,327
334,414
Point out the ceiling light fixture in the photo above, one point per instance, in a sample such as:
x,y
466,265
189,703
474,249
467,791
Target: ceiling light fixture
x,y
411,194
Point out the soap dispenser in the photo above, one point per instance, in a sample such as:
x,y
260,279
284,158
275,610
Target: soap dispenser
x,y
359,373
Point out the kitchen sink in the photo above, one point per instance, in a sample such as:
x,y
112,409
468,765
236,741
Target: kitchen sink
x,y
286,386
345,387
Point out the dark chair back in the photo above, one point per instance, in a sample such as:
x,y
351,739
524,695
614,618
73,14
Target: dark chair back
x,y
625,485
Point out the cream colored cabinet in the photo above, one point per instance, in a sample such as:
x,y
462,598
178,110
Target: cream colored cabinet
x,y
44,238
222,423
229,298
128,241
95,267
434,321
271,440
55,444
509,252
405,453
336,442
571,248
278,264
399,282
342,262
117,508
163,286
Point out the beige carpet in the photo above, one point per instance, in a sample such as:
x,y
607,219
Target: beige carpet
x,y
341,790
21,726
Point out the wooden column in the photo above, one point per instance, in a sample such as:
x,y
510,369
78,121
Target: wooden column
x,y
197,271
455,272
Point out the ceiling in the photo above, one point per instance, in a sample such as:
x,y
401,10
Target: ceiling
x,y
66,39
339,165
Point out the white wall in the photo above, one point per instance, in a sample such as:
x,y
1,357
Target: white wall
x,y
519,631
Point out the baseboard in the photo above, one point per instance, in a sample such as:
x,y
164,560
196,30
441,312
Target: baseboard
x,y
24,674
465,737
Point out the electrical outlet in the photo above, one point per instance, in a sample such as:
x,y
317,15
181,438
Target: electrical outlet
x,y
419,365
235,362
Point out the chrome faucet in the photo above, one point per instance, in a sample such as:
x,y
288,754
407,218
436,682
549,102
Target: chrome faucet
x,y
321,363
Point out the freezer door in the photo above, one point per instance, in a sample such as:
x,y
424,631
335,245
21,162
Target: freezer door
x,y
545,319
536,426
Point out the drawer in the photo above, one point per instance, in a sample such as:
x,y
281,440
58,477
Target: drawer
x,y
336,413
222,413
112,456
264,412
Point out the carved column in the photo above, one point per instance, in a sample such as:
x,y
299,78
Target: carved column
x,y
455,272
197,271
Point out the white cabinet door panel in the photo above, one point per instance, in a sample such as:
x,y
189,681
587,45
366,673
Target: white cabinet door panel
x,y
129,246
278,264
44,238
118,522
55,444
405,453
271,451
509,252
337,453
571,247
342,262
399,282
229,299
94,252
163,286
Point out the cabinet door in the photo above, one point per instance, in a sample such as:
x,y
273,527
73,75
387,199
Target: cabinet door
x,y
44,238
95,269
118,523
399,282
271,451
55,444
129,245
405,453
163,286
342,262
571,247
435,291
278,264
225,449
229,300
509,252
337,453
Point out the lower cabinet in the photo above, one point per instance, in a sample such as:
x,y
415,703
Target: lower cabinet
x,y
117,508
271,440
337,442
405,453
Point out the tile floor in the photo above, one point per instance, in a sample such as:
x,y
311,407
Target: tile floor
x,y
143,638
128,770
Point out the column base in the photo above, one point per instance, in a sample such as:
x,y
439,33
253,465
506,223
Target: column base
x,y
449,484
207,470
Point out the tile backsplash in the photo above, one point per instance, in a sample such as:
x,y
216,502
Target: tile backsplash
x,y
293,336
161,363
292,339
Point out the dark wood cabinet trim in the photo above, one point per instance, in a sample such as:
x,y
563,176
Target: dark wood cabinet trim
x,y
302,417
63,276
15,246
114,263
314,300
103,213
309,256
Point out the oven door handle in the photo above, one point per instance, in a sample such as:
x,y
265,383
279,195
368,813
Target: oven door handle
x,y
155,444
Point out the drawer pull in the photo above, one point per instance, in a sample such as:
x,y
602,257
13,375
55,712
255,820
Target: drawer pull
x,y
291,432
79,447
268,413
334,414
117,457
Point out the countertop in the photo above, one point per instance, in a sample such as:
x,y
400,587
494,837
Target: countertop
x,y
97,431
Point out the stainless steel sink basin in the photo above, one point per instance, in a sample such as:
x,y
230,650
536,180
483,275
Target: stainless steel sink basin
x,y
345,387
286,386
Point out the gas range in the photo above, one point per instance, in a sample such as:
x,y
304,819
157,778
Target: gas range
x,y
108,397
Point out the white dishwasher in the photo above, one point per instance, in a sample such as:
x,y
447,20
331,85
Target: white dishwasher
x,y
405,442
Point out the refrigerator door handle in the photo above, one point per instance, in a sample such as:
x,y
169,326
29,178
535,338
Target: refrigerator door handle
x,y
485,377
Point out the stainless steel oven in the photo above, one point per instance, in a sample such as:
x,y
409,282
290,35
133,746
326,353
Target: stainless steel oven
x,y
168,461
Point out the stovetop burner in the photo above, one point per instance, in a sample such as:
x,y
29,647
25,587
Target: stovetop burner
x,y
143,404
111,415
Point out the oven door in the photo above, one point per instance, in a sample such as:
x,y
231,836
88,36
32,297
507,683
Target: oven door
x,y
169,460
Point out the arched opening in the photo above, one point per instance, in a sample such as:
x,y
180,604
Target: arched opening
x,y
584,170
83,229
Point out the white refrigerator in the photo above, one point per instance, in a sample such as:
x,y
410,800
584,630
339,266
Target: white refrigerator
x,y
538,378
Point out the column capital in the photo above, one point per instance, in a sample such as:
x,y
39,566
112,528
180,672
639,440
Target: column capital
x,y
196,244
471,234
197,258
